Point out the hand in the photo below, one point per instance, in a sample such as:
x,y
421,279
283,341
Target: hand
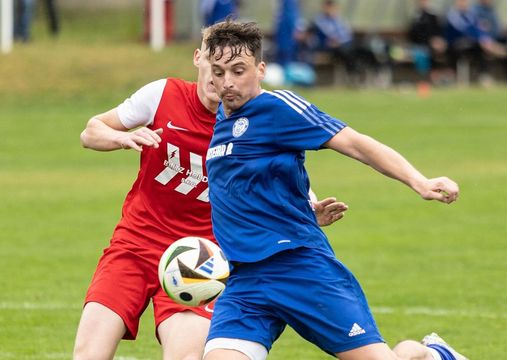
x,y
329,211
140,137
442,189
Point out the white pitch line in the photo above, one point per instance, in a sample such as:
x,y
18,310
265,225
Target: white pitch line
x,y
8,355
56,356
37,306
438,312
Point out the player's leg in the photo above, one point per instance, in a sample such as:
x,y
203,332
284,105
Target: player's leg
x,y
410,349
99,332
181,330
440,349
118,294
234,349
225,354
379,351
183,336
405,350
334,313
240,330
330,310
244,325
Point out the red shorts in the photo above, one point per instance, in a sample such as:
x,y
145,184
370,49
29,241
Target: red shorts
x,y
126,279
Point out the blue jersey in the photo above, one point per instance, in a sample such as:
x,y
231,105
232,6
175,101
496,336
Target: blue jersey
x,y
257,180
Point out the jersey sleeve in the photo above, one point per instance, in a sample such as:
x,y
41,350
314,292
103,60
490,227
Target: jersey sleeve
x,y
301,125
140,108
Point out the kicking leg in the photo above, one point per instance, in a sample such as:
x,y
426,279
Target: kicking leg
x,y
378,351
412,350
432,348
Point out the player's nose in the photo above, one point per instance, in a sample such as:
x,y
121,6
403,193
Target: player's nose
x,y
228,83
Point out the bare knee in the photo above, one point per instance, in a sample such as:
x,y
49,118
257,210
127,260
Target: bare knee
x,y
173,334
98,334
90,353
411,350
377,351
195,356
87,349
185,354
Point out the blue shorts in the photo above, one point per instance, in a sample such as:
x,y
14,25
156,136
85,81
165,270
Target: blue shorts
x,y
306,288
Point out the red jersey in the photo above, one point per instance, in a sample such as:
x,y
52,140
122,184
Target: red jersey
x,y
169,199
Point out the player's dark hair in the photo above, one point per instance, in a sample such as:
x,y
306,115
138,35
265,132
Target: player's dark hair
x,y
240,37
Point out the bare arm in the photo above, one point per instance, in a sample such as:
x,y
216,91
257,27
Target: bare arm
x,y
390,163
105,132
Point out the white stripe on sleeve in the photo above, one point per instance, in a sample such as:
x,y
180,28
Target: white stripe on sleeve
x,y
140,108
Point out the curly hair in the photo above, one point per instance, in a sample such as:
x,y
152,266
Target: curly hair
x,y
240,37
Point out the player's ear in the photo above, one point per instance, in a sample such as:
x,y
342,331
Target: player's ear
x,y
261,70
197,57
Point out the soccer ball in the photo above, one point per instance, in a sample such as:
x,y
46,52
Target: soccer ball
x,y
193,271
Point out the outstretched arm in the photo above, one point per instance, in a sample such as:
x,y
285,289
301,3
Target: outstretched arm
x,y
390,163
105,132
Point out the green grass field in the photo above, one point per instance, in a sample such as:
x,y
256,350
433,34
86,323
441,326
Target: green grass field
x,y
424,266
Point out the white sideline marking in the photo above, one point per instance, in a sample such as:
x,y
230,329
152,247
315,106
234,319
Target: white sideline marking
x,y
436,312
7,355
57,355
375,309
37,306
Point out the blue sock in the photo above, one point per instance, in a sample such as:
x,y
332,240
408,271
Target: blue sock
x,y
445,354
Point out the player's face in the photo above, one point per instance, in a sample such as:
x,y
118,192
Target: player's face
x,y
237,80
204,79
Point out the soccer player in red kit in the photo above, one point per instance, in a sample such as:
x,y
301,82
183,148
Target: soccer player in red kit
x,y
173,121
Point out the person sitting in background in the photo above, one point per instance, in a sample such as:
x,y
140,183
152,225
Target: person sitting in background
x,y
467,39
426,34
332,34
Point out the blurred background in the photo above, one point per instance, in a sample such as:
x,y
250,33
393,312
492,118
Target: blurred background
x,y
425,77
343,42
187,19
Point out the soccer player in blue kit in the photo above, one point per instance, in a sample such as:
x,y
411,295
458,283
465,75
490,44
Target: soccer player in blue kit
x,y
284,269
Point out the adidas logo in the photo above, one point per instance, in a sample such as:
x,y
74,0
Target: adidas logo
x,y
356,330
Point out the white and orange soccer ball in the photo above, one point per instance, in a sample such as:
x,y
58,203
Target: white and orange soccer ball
x,y
193,271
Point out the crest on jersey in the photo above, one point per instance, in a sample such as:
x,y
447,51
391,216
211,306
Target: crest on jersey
x,y
240,127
